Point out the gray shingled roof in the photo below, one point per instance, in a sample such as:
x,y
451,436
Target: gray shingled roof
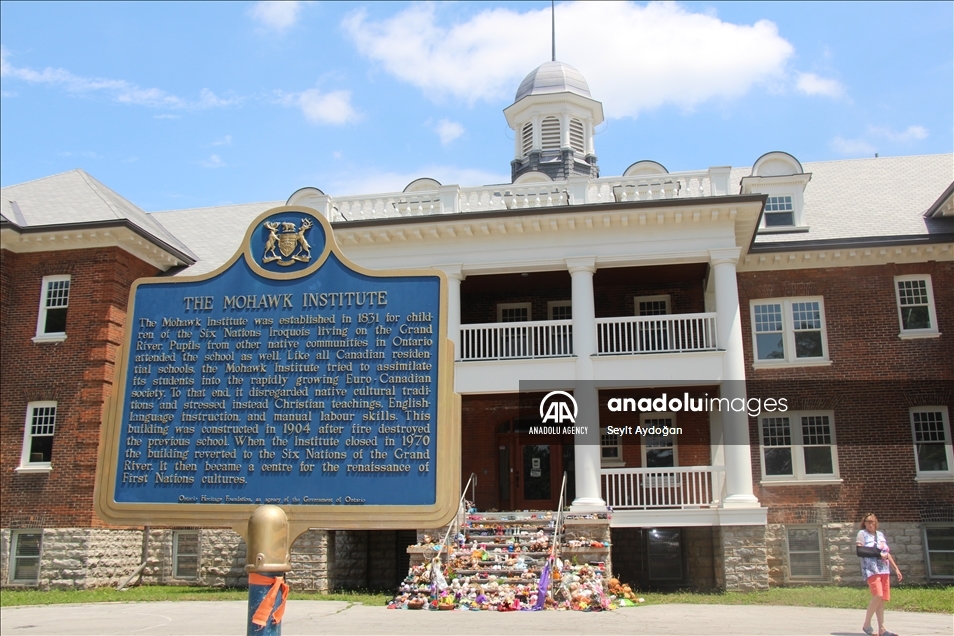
x,y
877,197
553,77
213,234
75,198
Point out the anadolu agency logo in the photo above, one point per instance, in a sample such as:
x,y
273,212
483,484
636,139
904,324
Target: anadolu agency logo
x,y
558,407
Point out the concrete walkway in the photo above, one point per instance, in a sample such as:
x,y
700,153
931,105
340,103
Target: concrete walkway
x,y
214,618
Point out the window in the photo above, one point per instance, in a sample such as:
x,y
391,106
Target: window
x,y
560,310
652,305
916,306
658,450
185,554
25,556
54,301
804,552
550,131
576,136
939,548
513,312
932,442
779,211
611,450
789,331
527,139
664,552
798,446
38,430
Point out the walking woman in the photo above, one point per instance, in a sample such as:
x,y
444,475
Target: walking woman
x,y
877,572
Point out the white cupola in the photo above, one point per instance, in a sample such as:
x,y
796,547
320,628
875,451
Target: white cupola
x,y
553,117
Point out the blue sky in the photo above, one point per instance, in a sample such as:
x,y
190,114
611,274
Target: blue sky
x,y
184,105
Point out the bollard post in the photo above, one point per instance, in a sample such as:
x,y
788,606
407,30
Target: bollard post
x,y
269,557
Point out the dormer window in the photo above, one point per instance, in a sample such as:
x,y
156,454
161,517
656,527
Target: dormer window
x,y
780,176
779,212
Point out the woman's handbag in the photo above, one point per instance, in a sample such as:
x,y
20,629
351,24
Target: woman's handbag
x,y
866,552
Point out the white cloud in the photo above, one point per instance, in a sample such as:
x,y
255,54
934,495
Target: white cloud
x,y
660,53
327,108
370,181
119,90
912,133
214,161
812,84
276,16
448,130
224,141
852,147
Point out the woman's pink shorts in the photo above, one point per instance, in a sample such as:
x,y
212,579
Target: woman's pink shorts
x,y
880,585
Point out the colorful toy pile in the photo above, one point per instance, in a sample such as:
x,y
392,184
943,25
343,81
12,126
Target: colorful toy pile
x,y
498,562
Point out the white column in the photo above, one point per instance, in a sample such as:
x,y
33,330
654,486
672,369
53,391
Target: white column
x,y
589,136
454,277
586,447
564,130
735,425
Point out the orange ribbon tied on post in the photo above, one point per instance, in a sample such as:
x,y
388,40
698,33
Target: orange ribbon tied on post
x,y
278,586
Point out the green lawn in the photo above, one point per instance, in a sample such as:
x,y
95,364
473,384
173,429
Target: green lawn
x,y
911,599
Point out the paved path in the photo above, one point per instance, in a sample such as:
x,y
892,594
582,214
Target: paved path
x,y
215,618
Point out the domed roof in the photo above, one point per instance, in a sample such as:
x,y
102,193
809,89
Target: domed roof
x,y
553,77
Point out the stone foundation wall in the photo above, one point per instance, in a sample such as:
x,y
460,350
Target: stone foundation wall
x,y
840,565
744,558
700,555
313,561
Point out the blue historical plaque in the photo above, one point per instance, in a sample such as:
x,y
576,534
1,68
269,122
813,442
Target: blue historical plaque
x,y
288,376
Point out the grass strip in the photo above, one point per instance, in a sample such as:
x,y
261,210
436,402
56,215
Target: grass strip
x,y
938,600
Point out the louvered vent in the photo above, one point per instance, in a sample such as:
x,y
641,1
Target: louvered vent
x,y
551,133
527,138
576,135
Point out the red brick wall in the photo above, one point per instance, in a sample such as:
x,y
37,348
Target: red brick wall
x,y
873,379
77,373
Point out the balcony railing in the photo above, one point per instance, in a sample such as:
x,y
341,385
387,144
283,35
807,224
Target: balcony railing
x,y
453,199
511,340
656,334
652,488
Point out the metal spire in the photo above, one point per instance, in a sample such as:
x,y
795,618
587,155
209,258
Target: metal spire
x,y
553,25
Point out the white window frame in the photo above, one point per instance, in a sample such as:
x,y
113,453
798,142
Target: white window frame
x,y
611,462
551,304
930,332
822,569
176,534
666,415
799,476
788,334
647,299
41,334
26,464
933,475
502,306
927,551
14,557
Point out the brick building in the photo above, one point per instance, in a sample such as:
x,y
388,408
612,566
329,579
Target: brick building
x,y
825,285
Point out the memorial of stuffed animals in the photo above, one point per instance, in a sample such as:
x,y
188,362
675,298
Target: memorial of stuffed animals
x,y
512,561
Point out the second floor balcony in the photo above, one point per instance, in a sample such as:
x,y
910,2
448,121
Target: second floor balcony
x,y
625,335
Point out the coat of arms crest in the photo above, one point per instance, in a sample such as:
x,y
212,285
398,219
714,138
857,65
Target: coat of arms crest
x,y
289,241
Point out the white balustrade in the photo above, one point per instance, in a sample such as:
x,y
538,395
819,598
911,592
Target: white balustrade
x,y
517,197
656,334
509,340
649,488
